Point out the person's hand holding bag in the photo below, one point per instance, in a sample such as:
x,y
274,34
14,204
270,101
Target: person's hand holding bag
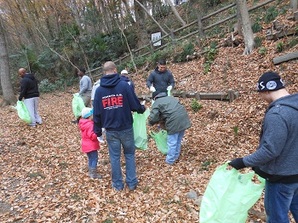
x,y
237,163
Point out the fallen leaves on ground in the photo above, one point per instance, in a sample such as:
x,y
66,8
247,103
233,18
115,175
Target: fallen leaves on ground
x,y
43,173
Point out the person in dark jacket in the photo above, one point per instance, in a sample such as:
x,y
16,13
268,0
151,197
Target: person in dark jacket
x,y
276,156
172,116
29,91
113,104
160,79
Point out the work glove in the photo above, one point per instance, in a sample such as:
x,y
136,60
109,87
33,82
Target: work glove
x,y
143,102
152,89
237,163
169,88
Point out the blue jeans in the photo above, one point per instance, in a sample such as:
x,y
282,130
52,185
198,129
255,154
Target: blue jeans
x,y
174,146
114,140
92,159
281,198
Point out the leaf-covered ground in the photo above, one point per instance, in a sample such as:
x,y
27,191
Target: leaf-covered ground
x,y
43,173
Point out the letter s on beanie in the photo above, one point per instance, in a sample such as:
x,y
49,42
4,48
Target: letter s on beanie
x,y
270,81
87,112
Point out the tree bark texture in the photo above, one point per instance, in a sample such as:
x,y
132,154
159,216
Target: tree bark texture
x,y
8,95
176,12
243,19
294,5
141,16
151,16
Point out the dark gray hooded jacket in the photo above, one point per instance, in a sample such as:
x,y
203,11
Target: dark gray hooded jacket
x,y
277,153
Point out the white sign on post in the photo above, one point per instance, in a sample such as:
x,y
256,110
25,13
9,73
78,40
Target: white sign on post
x,y
156,37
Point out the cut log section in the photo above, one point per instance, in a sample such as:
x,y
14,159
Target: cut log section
x,y
284,58
228,96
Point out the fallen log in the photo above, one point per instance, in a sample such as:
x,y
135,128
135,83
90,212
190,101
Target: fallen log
x,y
222,96
284,58
275,35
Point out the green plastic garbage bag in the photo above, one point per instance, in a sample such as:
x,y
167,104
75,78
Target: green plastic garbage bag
x,y
77,105
23,112
160,139
140,129
229,195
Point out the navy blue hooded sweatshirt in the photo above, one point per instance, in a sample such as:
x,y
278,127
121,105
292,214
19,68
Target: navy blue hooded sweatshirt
x,y
113,104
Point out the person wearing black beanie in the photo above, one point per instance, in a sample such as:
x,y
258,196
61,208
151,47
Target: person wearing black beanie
x,y
276,156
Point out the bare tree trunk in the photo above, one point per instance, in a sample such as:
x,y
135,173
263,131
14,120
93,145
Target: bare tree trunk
x,y
128,12
151,17
77,18
294,5
106,17
199,13
128,47
175,12
22,18
17,37
243,19
140,17
8,95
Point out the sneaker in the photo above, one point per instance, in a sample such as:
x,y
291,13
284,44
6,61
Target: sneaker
x,y
75,121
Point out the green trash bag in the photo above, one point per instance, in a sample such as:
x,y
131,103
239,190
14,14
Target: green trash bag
x,y
77,105
23,112
140,129
160,139
229,195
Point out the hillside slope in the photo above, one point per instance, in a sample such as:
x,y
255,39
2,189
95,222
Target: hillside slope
x,y
43,174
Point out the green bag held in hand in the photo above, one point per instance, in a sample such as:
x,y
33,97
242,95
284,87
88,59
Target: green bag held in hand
x,y
140,129
77,105
160,139
23,112
229,195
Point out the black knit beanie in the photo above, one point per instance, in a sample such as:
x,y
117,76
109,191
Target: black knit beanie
x,y
270,81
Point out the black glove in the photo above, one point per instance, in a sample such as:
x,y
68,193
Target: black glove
x,y
237,163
